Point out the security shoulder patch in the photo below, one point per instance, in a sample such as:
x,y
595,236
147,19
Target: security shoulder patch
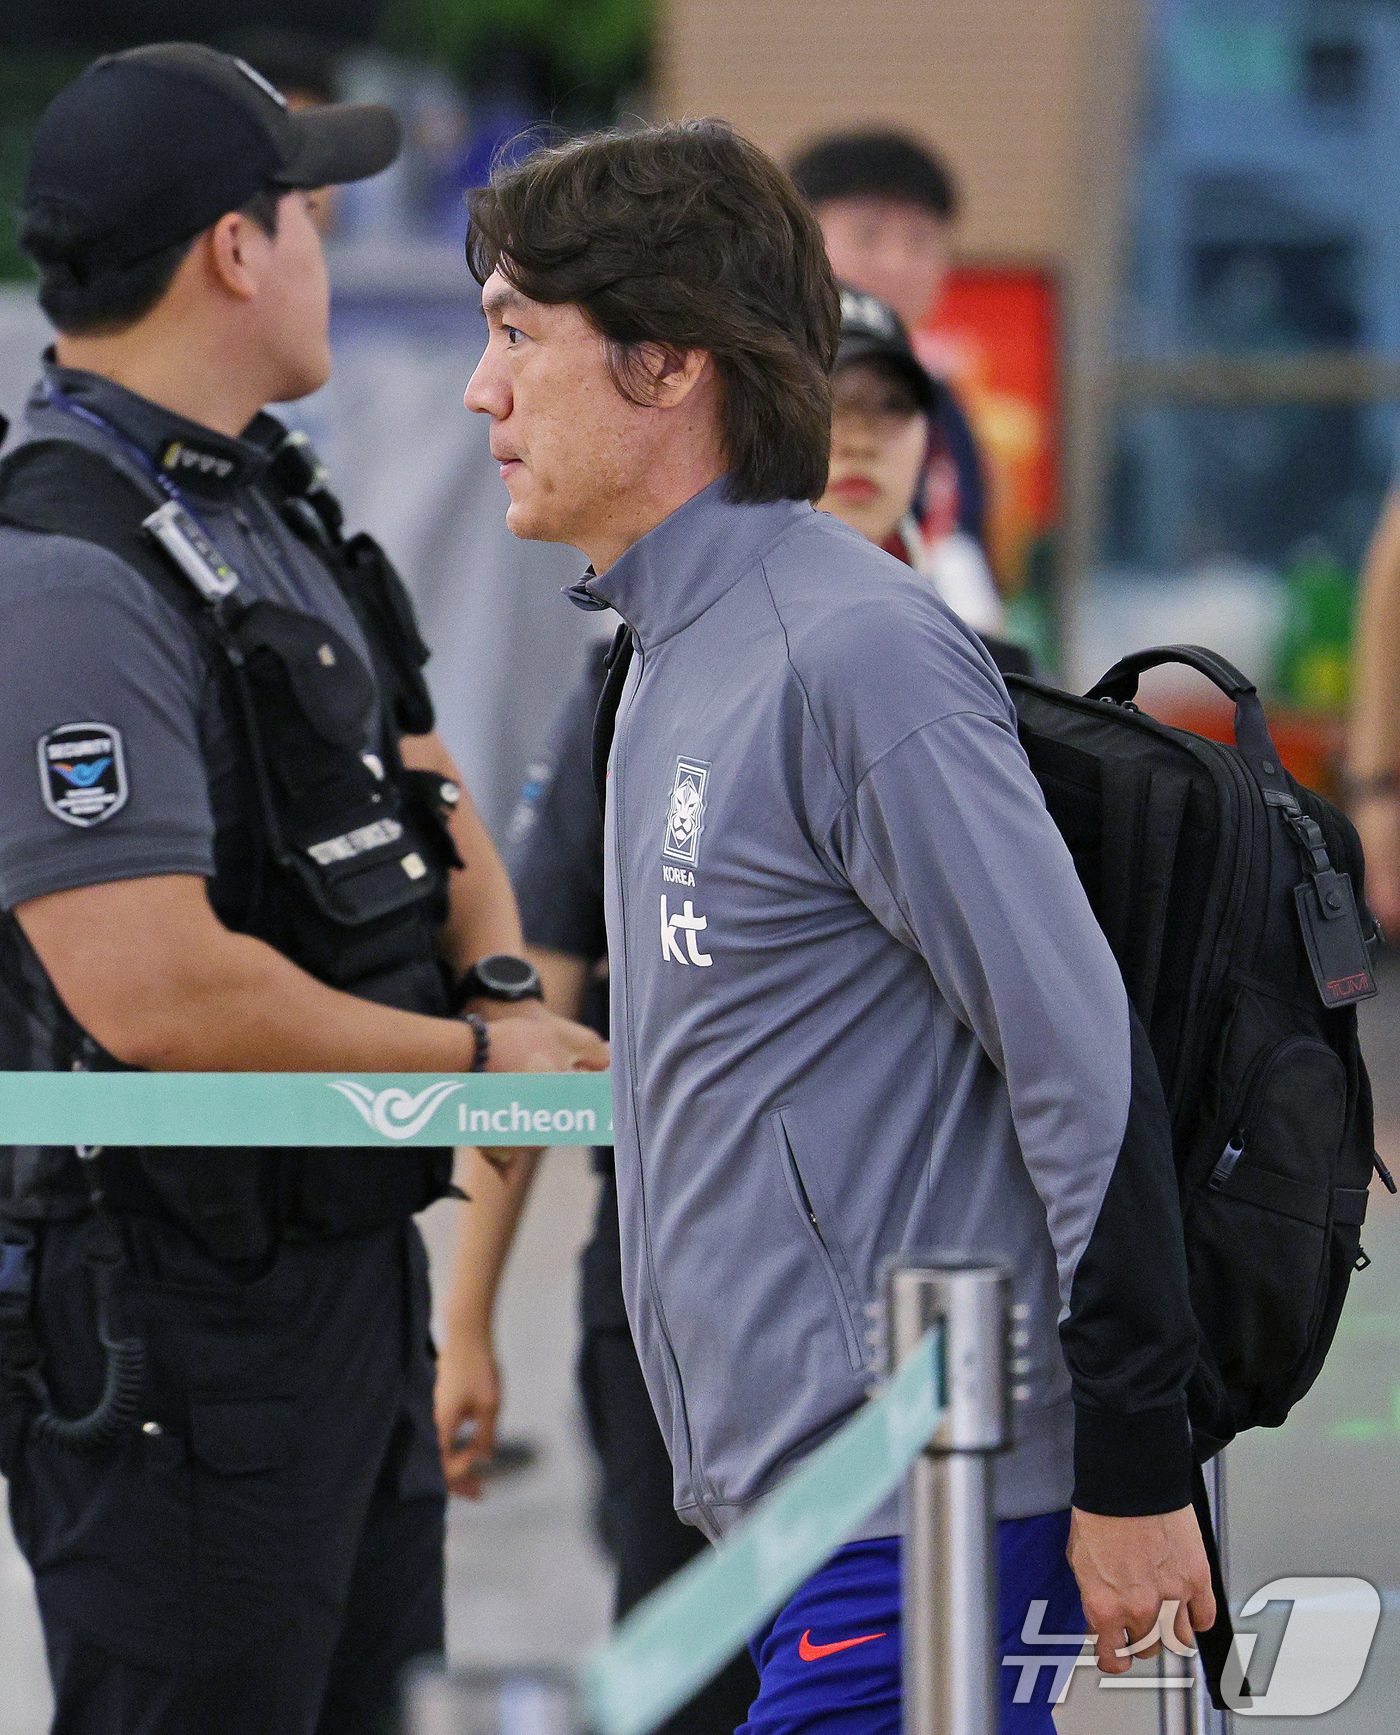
x,y
82,772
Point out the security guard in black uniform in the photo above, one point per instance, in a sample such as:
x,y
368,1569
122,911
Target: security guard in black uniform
x,y
229,840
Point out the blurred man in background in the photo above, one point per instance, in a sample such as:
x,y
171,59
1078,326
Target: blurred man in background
x,y
887,205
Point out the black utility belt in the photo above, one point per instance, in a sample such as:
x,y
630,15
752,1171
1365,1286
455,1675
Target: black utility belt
x,y
240,1204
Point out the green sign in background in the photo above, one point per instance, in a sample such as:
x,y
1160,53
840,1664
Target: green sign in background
x,y
305,1108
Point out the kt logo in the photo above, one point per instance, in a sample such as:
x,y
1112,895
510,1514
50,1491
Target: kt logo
x,y
686,922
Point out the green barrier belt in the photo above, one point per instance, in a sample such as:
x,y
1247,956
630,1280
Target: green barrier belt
x,y
686,1632
305,1108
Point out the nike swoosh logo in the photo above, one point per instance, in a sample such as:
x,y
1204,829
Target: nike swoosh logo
x,y
810,1653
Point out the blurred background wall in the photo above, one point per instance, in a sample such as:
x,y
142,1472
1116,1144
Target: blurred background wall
x,y
1175,319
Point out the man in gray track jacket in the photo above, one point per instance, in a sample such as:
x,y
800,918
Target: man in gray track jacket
x,y
860,1003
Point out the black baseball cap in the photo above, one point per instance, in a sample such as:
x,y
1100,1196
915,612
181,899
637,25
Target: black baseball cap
x,y
871,331
148,147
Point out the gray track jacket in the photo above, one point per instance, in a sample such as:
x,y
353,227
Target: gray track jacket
x,y
861,1006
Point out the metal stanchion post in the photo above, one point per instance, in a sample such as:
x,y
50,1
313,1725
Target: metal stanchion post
x,y
950,1661
442,1701
1178,1707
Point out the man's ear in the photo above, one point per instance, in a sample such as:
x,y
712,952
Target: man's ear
x,y
672,374
232,253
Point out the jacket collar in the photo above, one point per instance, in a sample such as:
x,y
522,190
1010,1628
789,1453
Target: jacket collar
x,y
193,457
686,563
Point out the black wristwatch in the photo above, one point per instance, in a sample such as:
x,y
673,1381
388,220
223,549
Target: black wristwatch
x,y
500,977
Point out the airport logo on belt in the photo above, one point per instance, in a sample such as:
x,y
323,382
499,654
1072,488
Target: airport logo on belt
x,y
82,773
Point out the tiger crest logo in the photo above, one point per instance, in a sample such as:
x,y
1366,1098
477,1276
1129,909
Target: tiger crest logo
x,y
685,817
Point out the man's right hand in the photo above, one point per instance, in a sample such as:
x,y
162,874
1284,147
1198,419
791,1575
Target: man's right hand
x,y
1128,1568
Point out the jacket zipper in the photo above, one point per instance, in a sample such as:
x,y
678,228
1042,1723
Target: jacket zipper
x,y
699,1495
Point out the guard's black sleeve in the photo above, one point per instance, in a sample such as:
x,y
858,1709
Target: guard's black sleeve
x,y
556,849
1130,1336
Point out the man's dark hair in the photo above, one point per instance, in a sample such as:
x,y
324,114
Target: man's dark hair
x,y
97,303
677,238
876,164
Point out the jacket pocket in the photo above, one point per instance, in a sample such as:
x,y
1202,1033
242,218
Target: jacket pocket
x,y
825,1247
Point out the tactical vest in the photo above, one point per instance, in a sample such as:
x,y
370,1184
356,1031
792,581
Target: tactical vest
x,y
336,857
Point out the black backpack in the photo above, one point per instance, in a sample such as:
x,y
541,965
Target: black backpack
x,y
1232,898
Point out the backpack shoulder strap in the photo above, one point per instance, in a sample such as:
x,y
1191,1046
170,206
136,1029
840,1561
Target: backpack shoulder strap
x,y
605,718
60,488
1217,1642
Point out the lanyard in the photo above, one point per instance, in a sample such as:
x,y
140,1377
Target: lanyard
x,y
60,400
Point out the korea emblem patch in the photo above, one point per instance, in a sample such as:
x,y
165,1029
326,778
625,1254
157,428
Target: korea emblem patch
x,y
82,773
685,819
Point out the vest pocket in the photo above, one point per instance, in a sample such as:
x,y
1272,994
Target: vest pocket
x,y
245,1437
822,1241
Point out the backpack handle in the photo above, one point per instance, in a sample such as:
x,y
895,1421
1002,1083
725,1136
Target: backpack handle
x,y
1121,681
1251,727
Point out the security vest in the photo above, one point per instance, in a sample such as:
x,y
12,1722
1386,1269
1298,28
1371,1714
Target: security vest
x,y
337,858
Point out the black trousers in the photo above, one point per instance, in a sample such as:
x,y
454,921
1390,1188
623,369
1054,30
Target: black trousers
x,y
266,1554
636,1507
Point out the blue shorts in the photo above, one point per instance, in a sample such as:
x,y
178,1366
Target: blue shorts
x,y
829,1664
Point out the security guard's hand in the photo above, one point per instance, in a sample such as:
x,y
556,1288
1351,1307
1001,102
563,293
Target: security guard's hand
x,y
527,1037
466,1402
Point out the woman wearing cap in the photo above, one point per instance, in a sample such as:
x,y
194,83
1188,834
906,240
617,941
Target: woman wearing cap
x,y
885,414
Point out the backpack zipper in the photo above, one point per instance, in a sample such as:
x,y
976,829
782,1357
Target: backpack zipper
x,y
1225,1167
1260,1069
